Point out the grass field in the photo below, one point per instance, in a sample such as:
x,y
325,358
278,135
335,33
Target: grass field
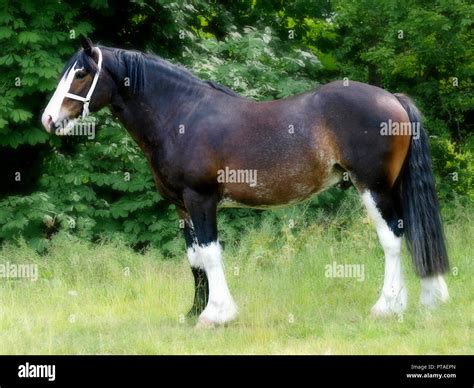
x,y
108,299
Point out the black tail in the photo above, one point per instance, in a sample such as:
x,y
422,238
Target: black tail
x,y
422,223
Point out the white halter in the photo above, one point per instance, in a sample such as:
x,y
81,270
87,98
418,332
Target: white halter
x,y
86,100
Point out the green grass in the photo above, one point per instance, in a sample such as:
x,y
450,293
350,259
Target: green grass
x,y
85,302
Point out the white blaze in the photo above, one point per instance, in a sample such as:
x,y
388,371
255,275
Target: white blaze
x,y
53,109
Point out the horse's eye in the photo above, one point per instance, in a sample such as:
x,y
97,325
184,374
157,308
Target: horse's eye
x,y
81,74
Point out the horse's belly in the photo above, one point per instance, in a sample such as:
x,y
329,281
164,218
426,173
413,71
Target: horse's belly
x,y
277,191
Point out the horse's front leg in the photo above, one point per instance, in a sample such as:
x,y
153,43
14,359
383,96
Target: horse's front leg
x,y
220,307
201,284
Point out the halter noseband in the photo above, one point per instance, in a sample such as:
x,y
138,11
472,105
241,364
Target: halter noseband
x,y
87,99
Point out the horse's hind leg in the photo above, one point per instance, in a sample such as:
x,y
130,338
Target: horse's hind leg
x,y
382,209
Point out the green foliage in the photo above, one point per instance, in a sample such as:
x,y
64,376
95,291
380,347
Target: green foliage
x,y
35,38
424,51
457,166
106,189
26,216
255,63
427,53
103,192
261,49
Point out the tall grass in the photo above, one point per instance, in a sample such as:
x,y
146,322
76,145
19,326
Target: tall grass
x,y
108,299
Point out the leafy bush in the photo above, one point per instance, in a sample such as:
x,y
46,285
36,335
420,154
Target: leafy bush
x,y
102,189
456,164
256,64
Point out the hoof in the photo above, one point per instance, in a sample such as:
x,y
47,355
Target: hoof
x,y
389,305
434,292
379,313
204,324
217,315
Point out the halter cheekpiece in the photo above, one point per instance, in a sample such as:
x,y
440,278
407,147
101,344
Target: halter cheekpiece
x,y
86,100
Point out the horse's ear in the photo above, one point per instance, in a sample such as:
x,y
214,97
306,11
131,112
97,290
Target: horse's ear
x,y
87,45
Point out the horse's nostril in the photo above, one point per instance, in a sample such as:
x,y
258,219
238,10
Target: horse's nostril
x,y
47,122
51,125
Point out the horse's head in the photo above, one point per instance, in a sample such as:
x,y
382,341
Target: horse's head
x,y
84,87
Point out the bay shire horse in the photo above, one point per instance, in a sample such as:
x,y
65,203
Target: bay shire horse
x,y
199,137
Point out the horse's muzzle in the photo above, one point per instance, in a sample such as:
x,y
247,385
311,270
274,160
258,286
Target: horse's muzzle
x,y
47,122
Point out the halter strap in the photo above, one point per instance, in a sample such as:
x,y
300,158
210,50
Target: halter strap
x,y
87,99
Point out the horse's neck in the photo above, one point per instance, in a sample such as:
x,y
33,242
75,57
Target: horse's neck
x,y
152,114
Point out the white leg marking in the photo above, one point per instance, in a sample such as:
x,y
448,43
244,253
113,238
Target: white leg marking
x,y
194,258
221,307
394,293
433,291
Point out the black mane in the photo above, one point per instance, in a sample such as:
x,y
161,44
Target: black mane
x,y
135,65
